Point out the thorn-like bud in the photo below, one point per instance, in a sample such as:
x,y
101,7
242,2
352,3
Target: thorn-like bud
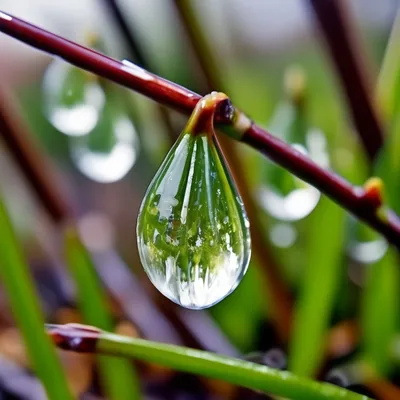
x,y
74,337
295,83
373,192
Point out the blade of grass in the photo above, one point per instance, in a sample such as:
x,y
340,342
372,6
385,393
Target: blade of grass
x,y
388,93
317,292
25,307
83,338
380,310
388,86
118,374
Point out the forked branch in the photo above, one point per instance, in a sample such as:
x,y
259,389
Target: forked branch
x,y
356,200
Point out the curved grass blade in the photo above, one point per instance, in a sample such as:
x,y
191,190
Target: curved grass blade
x,y
24,303
81,338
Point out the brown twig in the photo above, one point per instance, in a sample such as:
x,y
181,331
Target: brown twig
x,y
280,294
161,90
136,52
345,50
37,171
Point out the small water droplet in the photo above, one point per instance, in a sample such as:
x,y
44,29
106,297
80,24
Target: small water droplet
x,y
73,99
109,150
209,258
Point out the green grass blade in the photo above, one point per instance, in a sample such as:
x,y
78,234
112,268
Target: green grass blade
x,y
388,82
118,375
238,372
380,311
317,292
24,303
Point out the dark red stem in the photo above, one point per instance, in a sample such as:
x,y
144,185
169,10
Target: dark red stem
x,y
184,100
346,54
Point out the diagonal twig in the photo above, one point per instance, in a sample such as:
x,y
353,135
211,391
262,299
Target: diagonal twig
x,y
356,200
346,52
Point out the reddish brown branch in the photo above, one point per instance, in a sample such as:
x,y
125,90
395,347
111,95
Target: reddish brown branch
x,y
351,198
346,54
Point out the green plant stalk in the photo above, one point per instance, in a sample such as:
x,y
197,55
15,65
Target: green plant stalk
x,y
380,310
24,303
388,84
232,370
317,292
118,375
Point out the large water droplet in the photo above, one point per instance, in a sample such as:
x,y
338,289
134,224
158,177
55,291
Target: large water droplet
x,y
73,99
109,150
193,233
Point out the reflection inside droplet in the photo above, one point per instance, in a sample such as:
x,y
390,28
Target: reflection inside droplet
x,y
113,158
72,99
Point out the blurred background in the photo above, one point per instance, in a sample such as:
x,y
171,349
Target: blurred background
x,y
332,278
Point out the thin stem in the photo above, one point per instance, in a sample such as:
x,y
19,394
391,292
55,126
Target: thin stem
x,y
351,198
387,88
243,373
134,49
274,282
345,50
137,54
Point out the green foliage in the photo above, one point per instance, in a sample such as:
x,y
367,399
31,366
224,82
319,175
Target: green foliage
x,y
320,282
380,311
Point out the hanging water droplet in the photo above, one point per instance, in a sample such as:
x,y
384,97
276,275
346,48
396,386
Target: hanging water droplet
x,y
193,233
73,98
110,149
281,194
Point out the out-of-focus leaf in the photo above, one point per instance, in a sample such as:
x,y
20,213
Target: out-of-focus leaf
x,y
118,375
25,307
380,311
317,291
240,314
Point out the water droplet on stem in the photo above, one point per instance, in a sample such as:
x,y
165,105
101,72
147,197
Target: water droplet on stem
x,y
193,235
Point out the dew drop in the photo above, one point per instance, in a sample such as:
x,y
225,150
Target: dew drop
x,y
193,193
109,150
73,99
